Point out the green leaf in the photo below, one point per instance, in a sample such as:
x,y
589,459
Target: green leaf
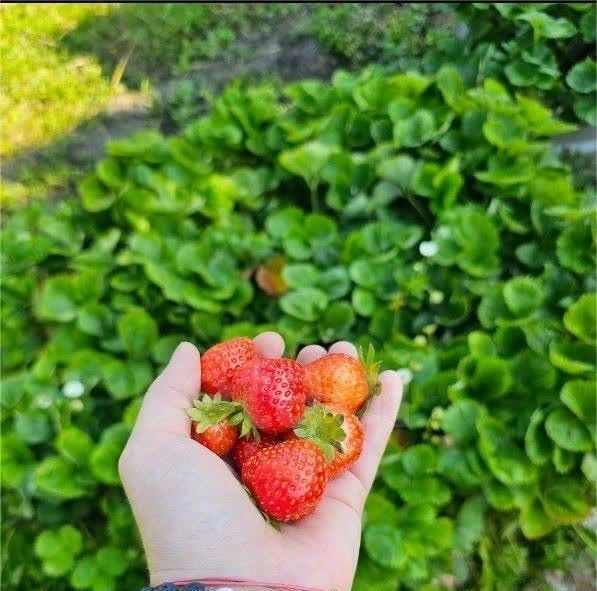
x,y
451,85
580,397
74,444
564,500
335,282
418,490
363,301
459,421
567,431
307,160
505,131
300,275
56,301
56,476
84,574
419,459
532,372
281,222
536,441
138,332
112,561
337,322
572,358
581,318
582,77
470,523
126,379
94,195
385,545
379,510
398,170
480,344
414,130
32,426
589,466
575,246
505,459
307,303
94,319
545,26
487,377
585,108
499,496
370,576
534,521
523,295
563,460
104,458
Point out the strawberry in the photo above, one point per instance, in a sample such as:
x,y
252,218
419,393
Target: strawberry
x,y
338,433
340,379
272,391
215,423
287,479
219,363
352,443
245,448
218,438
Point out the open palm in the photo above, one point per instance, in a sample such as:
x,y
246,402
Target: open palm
x,y
198,523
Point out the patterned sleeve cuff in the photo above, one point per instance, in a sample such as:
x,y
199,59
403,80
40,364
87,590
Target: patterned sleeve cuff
x,y
222,586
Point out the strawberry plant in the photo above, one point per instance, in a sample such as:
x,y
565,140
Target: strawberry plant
x,y
545,48
411,211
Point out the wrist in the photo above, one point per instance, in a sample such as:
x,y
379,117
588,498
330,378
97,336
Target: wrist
x,y
226,585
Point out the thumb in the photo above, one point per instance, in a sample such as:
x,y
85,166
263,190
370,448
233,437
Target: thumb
x,y
173,391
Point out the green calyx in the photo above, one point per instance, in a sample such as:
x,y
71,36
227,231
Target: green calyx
x,y
372,372
208,411
323,428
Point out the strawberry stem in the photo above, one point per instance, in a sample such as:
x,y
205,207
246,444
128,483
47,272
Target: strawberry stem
x,y
323,428
208,411
372,372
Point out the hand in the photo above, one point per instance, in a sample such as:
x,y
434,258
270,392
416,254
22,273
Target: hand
x,y
197,522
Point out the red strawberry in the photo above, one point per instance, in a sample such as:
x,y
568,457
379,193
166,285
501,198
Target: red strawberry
x,y
287,480
215,423
352,444
219,363
246,448
340,379
218,438
272,391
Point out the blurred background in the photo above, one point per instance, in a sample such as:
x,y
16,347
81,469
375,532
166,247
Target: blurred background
x,y
419,176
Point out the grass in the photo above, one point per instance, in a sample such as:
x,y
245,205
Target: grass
x,y
46,91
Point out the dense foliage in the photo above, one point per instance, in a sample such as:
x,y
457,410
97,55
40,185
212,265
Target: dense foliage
x,y
400,209
545,48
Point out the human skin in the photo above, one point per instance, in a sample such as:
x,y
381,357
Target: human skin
x,y
197,522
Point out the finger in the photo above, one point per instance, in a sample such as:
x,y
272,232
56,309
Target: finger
x,y
269,344
346,348
173,391
378,422
310,353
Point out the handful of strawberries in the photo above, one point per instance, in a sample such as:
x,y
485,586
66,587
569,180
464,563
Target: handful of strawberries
x,y
288,427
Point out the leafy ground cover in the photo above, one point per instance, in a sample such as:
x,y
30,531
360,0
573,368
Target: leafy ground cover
x,y
423,212
401,209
